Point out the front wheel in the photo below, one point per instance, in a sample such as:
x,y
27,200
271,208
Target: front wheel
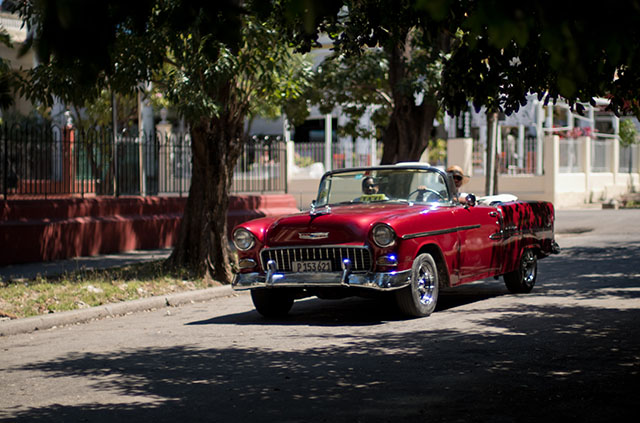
x,y
272,302
420,297
521,280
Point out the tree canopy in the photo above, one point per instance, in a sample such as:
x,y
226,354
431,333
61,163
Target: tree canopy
x,y
506,50
388,57
6,98
503,49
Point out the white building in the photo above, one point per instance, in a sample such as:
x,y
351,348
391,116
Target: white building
x,y
549,153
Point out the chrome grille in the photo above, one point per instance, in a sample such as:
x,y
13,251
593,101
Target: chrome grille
x,y
360,257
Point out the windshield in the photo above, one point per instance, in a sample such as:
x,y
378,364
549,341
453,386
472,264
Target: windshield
x,y
383,185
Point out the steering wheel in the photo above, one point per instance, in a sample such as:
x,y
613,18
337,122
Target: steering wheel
x,y
422,191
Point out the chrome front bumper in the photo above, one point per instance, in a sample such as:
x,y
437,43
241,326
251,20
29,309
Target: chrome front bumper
x,y
375,281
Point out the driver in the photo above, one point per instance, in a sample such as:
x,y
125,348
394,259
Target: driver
x,y
459,179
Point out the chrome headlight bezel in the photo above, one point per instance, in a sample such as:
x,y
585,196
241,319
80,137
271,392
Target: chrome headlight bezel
x,y
243,239
383,235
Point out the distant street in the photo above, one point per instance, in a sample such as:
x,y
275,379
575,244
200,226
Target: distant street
x,y
569,351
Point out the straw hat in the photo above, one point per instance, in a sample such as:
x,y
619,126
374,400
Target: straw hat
x,y
457,170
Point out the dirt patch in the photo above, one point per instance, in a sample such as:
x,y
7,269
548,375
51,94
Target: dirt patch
x,y
630,201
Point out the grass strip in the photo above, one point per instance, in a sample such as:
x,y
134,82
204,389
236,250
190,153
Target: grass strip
x,y
89,288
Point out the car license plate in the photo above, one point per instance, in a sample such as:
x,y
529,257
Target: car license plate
x,y
311,266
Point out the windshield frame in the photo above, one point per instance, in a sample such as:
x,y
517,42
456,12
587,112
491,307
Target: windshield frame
x,y
445,185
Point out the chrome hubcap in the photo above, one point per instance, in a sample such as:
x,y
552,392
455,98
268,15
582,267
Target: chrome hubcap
x,y
528,267
425,285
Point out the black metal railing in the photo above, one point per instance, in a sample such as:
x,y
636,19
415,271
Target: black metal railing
x,y
262,167
52,161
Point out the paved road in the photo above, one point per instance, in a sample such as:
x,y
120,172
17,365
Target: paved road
x,y
569,351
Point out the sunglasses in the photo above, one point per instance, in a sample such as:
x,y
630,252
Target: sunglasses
x,y
457,177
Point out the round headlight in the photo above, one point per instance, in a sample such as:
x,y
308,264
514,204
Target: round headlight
x,y
383,235
243,239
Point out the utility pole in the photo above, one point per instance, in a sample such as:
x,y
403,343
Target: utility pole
x,y
492,137
142,143
114,118
328,139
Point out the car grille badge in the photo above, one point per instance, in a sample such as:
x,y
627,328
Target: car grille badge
x,y
313,235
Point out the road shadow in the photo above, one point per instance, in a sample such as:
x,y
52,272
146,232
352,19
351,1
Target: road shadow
x,y
355,311
594,272
580,363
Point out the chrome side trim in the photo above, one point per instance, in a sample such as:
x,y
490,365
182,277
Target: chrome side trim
x,y
374,281
513,231
440,232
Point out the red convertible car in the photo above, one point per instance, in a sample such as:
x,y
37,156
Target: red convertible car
x,y
396,230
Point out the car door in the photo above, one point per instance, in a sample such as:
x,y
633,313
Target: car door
x,y
478,230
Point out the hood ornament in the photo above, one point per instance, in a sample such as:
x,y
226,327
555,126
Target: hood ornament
x,y
313,235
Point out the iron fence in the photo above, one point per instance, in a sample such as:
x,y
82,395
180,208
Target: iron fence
x,y
628,159
57,161
343,154
601,150
571,155
514,156
518,156
262,166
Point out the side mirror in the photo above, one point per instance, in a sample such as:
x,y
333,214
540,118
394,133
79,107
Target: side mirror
x,y
471,200
323,209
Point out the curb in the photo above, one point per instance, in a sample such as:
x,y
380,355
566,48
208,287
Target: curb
x,y
48,321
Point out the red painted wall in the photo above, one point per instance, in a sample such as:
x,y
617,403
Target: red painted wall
x,y
45,230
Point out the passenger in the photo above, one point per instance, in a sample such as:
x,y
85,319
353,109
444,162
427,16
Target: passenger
x,y
370,190
459,179
369,186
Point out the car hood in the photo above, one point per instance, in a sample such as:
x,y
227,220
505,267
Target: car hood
x,y
342,225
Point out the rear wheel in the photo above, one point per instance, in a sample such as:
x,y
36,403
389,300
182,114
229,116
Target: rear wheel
x,y
420,297
272,302
522,280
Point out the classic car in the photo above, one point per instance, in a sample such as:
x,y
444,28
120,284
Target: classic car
x,y
395,230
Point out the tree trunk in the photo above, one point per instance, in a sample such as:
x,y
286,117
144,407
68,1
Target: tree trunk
x,y
407,135
203,244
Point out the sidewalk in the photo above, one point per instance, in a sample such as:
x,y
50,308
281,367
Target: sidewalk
x,y
31,270
59,267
